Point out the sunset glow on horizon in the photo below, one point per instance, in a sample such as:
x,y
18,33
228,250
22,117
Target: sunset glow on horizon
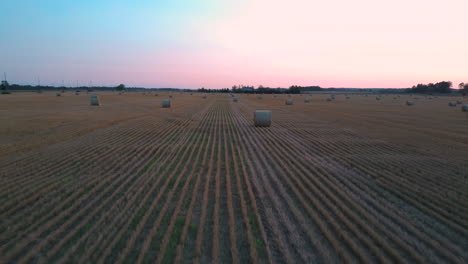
x,y
216,44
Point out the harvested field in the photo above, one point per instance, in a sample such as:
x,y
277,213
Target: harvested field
x,y
346,180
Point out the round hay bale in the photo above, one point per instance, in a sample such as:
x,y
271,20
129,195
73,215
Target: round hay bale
x,y
77,93
235,100
329,99
409,103
170,96
259,97
204,97
58,94
166,103
289,102
377,98
95,100
464,108
452,104
459,102
306,100
262,118
347,97
156,94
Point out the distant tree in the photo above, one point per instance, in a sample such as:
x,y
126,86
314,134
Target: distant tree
x,y
440,87
465,89
5,85
443,87
461,86
294,89
120,87
203,90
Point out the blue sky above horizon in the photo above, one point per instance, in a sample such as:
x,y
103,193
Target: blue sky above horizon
x,y
214,44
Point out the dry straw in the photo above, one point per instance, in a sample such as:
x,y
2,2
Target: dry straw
x,y
166,103
95,100
262,118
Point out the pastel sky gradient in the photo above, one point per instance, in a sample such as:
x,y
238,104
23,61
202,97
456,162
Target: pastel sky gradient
x,y
219,43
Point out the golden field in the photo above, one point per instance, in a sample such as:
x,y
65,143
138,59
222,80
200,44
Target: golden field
x,y
349,180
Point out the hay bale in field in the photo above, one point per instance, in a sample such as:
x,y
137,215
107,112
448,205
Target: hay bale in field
x,y
347,97
262,118
452,104
170,96
409,103
459,102
289,102
58,94
464,108
259,97
306,100
77,93
377,98
204,97
235,100
329,99
156,94
166,103
95,100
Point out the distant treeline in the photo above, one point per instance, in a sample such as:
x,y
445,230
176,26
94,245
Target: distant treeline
x,y
440,87
17,87
262,90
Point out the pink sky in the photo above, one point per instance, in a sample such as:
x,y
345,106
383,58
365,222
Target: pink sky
x,y
214,44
